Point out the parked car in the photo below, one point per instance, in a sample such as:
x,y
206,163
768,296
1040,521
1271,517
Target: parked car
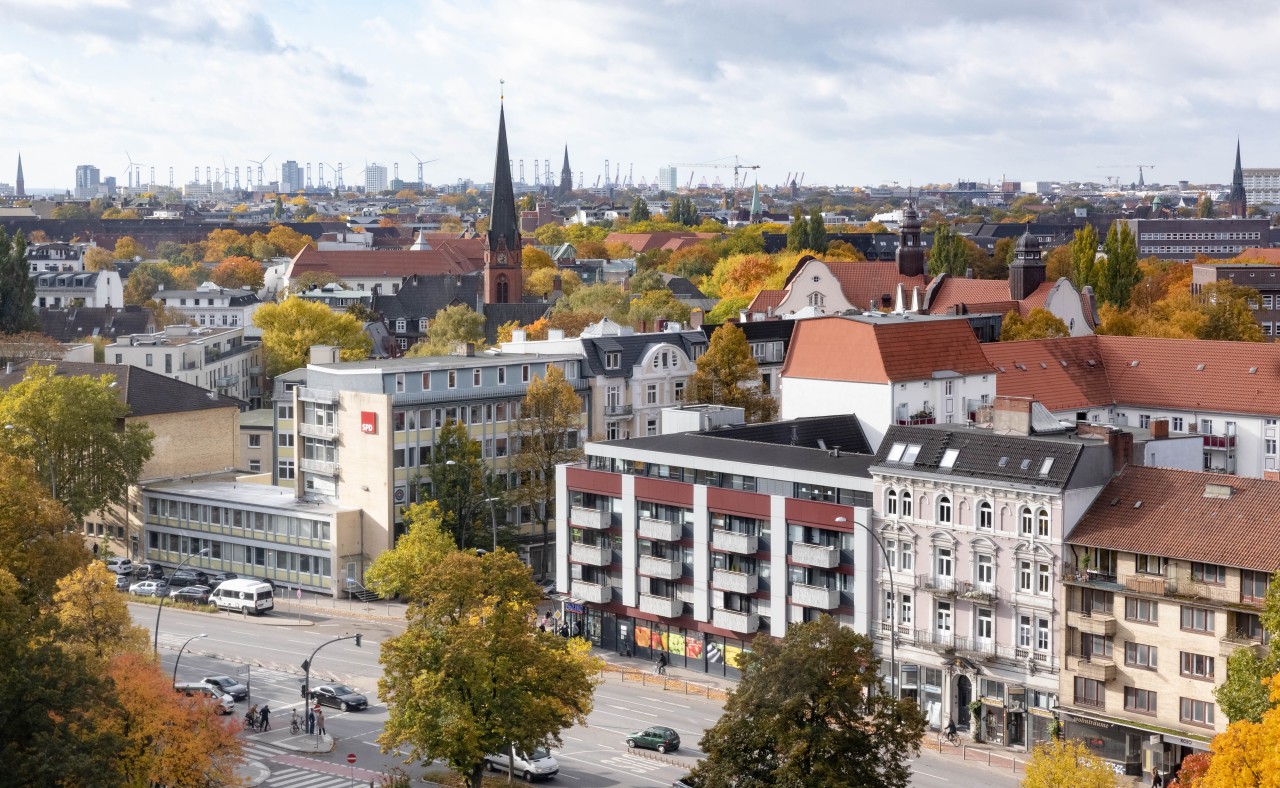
x,y
196,594
221,577
657,737
229,685
226,704
121,566
243,595
149,588
266,580
188,577
687,781
123,582
537,765
339,696
148,571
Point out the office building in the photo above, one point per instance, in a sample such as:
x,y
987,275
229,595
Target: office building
x,y
668,181
216,359
375,179
88,181
292,178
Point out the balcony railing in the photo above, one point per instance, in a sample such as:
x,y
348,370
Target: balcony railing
x,y
981,648
226,381
592,555
617,411
665,531
820,556
1095,666
732,620
907,422
317,395
1183,586
1088,577
600,593
1234,641
980,593
940,585
815,596
661,568
1092,623
583,517
667,607
1222,442
734,541
737,582
317,430
318,466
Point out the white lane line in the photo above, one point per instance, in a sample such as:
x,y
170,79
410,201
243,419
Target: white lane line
x,y
926,774
571,738
629,774
633,711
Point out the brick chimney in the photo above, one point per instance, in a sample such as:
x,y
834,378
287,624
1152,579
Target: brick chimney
x,y
1159,429
1011,415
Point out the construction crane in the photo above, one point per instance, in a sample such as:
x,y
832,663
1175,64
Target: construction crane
x,y
689,185
1141,167
737,167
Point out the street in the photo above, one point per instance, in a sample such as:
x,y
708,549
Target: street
x,y
267,653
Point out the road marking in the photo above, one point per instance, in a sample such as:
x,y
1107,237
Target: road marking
x,y
594,763
571,738
633,711
668,702
934,776
301,778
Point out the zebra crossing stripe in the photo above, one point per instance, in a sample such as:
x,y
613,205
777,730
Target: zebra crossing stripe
x,y
299,778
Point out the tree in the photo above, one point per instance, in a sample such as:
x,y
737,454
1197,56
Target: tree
x,y
684,212
527,203
291,327
450,326
1059,763
1040,323
1058,262
30,346
1194,769
17,288
313,280
534,259
226,243
1205,207
742,274
728,375
287,241
458,483
67,426
694,261
92,616
542,282
842,251
727,309
811,710
70,211
656,305
798,232
36,545
1244,694
640,210
550,235
1228,313
1248,752
127,248
234,273
1084,254
817,232
98,259
1122,274
601,300
470,676
547,435
949,253
424,543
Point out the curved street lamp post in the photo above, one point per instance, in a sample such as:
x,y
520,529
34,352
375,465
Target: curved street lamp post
x,y
155,645
893,625
179,658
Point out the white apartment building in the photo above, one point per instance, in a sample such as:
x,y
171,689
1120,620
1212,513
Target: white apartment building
x,y
215,307
65,289
216,359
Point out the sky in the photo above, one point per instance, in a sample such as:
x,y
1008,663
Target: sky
x,y
849,93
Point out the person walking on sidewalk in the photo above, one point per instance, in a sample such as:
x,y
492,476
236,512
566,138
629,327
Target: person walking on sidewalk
x,y
319,720
311,721
1156,780
266,717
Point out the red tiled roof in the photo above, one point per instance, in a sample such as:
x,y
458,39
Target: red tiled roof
x,y
1175,519
1266,255
838,348
447,257
958,290
865,282
766,300
1056,372
644,242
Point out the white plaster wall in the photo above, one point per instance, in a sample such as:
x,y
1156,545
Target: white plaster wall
x,y
701,555
630,545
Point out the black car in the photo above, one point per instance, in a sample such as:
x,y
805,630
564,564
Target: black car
x,y
196,594
266,580
148,571
188,577
229,685
221,577
339,696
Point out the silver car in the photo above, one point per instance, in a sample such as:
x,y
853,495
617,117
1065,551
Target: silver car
x,y
537,765
149,588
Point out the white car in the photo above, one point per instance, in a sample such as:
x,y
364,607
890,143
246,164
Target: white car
x,y
121,566
537,765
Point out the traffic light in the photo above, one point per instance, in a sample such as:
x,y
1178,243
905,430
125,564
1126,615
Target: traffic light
x,y
358,636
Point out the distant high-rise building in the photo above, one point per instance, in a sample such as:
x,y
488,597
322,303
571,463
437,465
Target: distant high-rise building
x,y
88,181
21,184
109,183
291,177
1237,200
375,179
667,180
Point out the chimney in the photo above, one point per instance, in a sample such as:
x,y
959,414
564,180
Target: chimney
x,y
325,354
1011,415
466,349
517,335
555,334
742,315
695,319
899,302
1121,443
1159,429
915,298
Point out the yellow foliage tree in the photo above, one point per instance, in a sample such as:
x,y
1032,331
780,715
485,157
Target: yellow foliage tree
x,y
224,243
1247,754
128,248
92,616
236,272
291,327
1059,763
288,241
98,259
1040,323
534,259
540,282
741,275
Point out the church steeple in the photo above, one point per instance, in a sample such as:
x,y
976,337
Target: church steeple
x,y
911,254
566,174
21,183
503,277
1238,201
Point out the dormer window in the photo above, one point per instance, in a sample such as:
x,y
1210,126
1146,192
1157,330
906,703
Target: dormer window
x,y
817,300
400,325
613,360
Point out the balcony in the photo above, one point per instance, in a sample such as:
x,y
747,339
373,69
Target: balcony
x,y
592,555
1099,668
1233,642
980,593
1092,623
732,620
660,529
319,466
1146,584
1220,442
737,582
667,607
317,430
316,395
582,517
734,542
226,381
976,648
600,593
617,411
938,585
819,556
916,420
1089,577
661,568
255,370
815,596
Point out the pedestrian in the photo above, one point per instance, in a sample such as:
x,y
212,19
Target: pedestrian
x,y
319,720
564,630
662,664
311,721
577,629
1156,780
266,717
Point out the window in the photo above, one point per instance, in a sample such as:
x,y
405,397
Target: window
x,y
1042,523
453,378
502,376
255,466
945,565
400,381
1024,631
1044,579
1042,634
475,378
401,327
891,549
1141,610
1095,646
943,617
1139,700
1176,424
1024,576
1197,712
891,502
1090,692
895,452
1196,666
1140,655
1144,421
906,556
906,503
1253,585
613,360
1024,520
422,325
285,439
524,373
285,469
651,394
1197,619
986,569
1149,564
148,359
284,412
679,386
255,441
1208,573
949,458
944,510
651,427
986,624
986,516
817,300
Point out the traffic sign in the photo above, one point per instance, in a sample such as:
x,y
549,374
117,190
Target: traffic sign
x,y
351,757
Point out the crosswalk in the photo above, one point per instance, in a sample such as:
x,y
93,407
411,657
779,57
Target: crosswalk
x,y
260,751
302,778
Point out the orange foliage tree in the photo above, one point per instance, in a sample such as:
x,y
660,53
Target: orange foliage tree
x,y
236,272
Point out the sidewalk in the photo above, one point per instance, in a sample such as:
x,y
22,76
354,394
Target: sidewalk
x,y
295,742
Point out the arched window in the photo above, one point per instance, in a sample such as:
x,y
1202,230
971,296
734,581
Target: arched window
x,y
906,503
817,300
985,515
1042,523
891,502
501,295
1024,521
944,510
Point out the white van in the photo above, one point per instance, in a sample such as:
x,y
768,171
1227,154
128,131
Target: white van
x,y
225,703
241,595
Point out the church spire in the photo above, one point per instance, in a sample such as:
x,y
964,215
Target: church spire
x,y
566,174
21,183
1238,201
504,228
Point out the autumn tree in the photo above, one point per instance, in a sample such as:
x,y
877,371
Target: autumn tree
x,y
470,676
1248,752
287,241
1040,323
742,274
17,288
98,259
842,251
640,210
728,375
534,259
92,617
952,253
810,709
37,546
683,211
450,326
698,260
67,426
1058,263
1122,275
541,282
600,300
548,434
1060,763
292,326
30,346
1205,207
1085,268
655,305
550,235
226,243
312,280
1244,695
234,273
127,248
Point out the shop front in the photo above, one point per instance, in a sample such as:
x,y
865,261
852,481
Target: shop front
x,y
1118,744
685,648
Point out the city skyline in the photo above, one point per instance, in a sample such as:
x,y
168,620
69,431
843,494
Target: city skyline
x,y
847,95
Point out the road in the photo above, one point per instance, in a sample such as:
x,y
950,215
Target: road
x,y
592,756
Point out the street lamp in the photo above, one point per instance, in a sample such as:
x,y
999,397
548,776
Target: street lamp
x,y
893,593
493,513
156,643
179,659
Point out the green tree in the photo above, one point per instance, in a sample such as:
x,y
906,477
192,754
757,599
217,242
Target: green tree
x,y
550,235
728,309
70,211
1040,323
36,544
470,676
1122,275
458,483
684,212
450,326
1244,695
601,299
310,280
728,375
811,710
657,305
1228,312
66,425
277,213
1205,207
527,203
950,252
640,210
1084,262
798,232
817,231
290,328
1058,763
17,288
548,434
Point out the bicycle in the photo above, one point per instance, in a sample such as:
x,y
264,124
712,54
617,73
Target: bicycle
x,y
952,738
661,669
252,722
295,723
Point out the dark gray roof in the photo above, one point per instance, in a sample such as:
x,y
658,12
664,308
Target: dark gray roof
x,y
759,330
495,315
424,295
681,287
145,392
814,432
633,347
66,325
984,454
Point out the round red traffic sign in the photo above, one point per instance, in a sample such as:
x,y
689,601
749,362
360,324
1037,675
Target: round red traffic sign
x,y
351,757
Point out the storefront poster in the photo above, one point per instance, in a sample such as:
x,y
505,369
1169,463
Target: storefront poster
x,y
715,653
642,637
731,655
659,640
675,643
693,647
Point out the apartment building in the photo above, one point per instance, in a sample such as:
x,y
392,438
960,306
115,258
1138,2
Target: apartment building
x,y
972,523
65,289
216,359
1187,239
361,433
212,306
1263,278
1167,576
689,543
256,436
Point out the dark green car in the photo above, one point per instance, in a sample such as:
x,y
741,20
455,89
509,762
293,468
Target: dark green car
x,y
657,737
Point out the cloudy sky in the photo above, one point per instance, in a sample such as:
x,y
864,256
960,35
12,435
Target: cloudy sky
x,y
847,92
